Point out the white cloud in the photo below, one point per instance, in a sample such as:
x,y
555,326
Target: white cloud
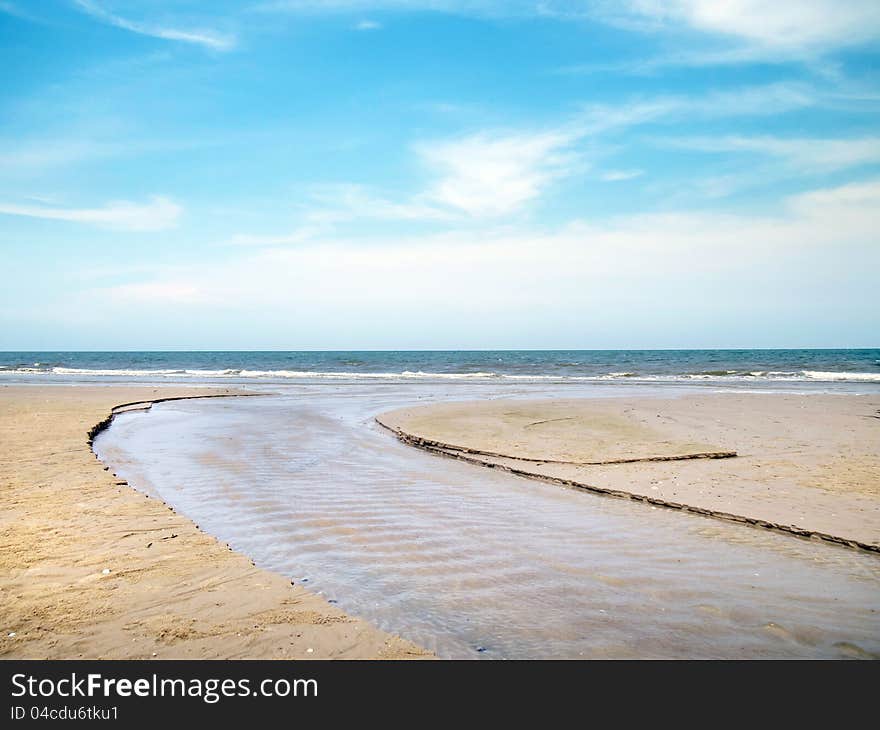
x,y
618,175
650,65
160,213
346,201
809,155
301,235
478,8
849,208
786,26
496,174
760,29
332,204
207,38
762,100
710,270
480,176
148,292
36,154
489,174
368,25
649,243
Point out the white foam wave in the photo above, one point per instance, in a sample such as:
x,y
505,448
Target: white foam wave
x,y
406,374
732,376
852,377
108,372
213,373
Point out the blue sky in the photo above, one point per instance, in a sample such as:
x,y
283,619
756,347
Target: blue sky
x,y
439,174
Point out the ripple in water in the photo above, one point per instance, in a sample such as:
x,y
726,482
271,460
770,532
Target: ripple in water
x,y
470,562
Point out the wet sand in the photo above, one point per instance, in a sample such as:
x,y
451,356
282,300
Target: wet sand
x,y
803,464
477,563
91,568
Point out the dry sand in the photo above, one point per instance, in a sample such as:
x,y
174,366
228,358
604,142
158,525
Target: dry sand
x,y
805,464
172,591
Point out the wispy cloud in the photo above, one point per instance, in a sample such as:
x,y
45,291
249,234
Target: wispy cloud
x,y
783,26
207,38
751,29
618,175
149,292
807,155
580,272
331,204
39,154
761,100
15,11
303,234
846,206
347,201
160,213
479,8
368,25
652,65
93,137
475,177
484,175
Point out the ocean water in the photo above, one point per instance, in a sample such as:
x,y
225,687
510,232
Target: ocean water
x,y
723,366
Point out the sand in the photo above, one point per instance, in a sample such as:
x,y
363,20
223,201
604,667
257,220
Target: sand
x,y
807,465
91,568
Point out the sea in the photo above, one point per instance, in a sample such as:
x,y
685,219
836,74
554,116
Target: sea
x,y
860,366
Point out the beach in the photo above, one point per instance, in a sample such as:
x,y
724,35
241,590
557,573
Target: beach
x,y
92,568
342,341
346,539
808,465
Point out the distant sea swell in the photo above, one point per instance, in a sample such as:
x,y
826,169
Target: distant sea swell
x,y
848,366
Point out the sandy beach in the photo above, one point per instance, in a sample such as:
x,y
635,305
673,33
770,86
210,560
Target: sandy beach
x,y
805,465
91,568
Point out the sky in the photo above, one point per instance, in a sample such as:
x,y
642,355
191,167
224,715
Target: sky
x,y
439,174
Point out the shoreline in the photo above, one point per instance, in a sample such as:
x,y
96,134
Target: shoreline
x,y
93,568
431,419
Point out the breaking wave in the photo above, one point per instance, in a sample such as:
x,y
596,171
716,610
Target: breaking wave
x,y
708,375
